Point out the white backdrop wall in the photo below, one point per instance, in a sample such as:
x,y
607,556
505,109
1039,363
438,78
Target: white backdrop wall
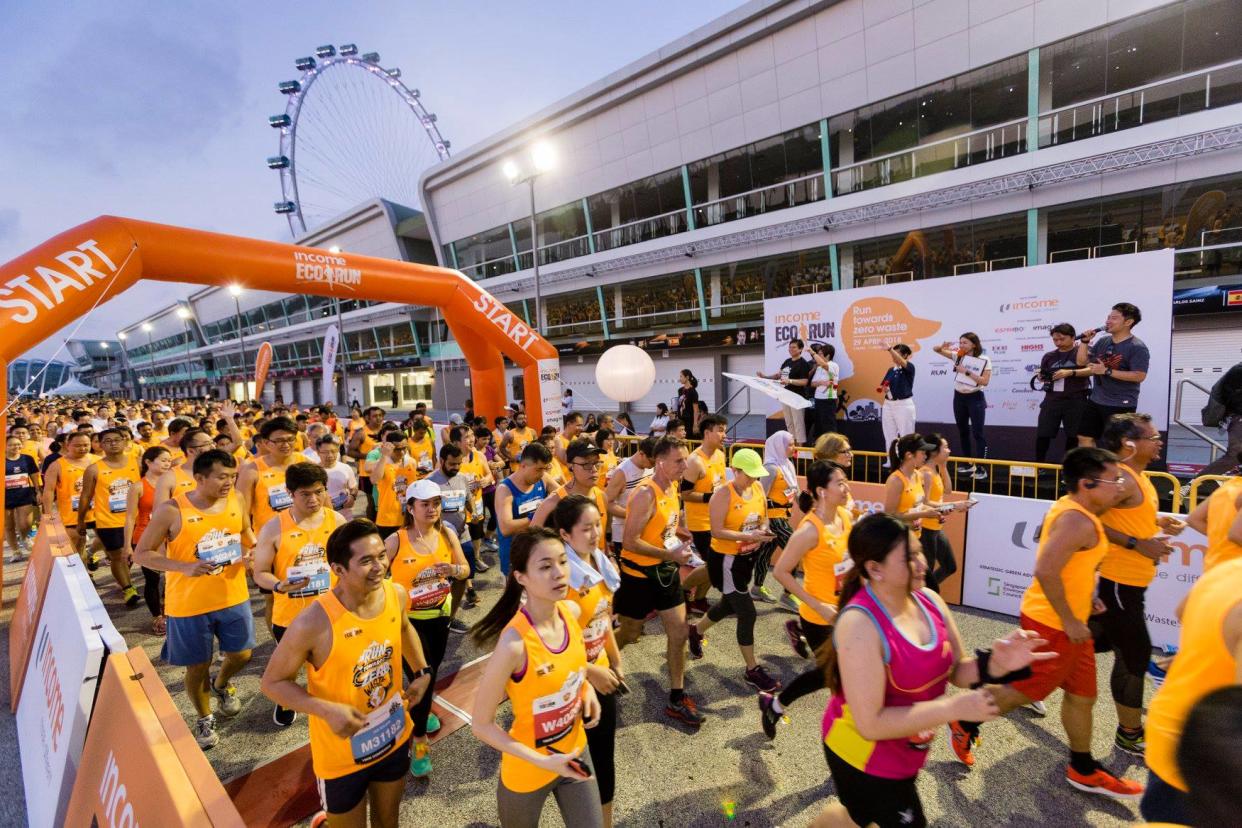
x,y
1010,310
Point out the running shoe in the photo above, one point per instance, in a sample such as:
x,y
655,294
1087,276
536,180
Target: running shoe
x,y
1158,667
92,563
1038,708
966,468
458,626
471,599
1104,783
205,732
480,566
963,744
789,603
793,631
283,716
760,593
980,474
686,710
758,678
433,724
229,702
420,764
768,717
1135,743
695,641
131,597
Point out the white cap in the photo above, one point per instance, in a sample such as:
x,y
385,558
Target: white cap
x,y
421,490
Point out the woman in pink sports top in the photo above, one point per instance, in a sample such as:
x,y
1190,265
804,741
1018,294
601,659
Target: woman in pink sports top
x,y
894,649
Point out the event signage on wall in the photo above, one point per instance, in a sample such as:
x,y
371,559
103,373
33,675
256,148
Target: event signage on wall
x,y
1010,310
550,390
1000,562
70,643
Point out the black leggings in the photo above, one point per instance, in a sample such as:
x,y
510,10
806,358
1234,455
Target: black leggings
x,y
939,554
153,591
601,740
969,411
433,633
813,679
1122,627
741,605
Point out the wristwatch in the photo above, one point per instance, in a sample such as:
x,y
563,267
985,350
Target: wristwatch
x,y
1131,542
1108,372
425,671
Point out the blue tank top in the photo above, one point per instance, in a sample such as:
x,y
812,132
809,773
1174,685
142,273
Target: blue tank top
x,y
522,505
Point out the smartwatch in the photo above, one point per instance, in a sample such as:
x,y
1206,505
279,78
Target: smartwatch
x,y
1108,372
425,671
1131,542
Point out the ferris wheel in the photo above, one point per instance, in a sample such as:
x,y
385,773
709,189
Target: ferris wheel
x,y
360,134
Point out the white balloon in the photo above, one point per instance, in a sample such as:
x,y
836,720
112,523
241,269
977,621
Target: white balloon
x,y
625,373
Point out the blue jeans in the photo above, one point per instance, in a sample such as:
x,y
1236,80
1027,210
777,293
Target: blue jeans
x,y
969,411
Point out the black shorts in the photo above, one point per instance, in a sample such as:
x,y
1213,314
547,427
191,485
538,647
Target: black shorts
x,y
639,596
730,573
112,538
342,795
1095,417
22,497
702,542
874,799
815,634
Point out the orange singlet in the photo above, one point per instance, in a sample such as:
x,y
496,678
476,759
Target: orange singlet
x,y
1078,576
431,595
300,554
363,670
207,536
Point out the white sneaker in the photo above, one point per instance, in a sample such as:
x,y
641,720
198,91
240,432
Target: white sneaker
x,y
966,468
1038,708
980,474
205,732
229,704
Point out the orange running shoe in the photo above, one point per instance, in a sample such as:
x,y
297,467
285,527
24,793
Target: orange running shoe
x,y
1104,783
963,743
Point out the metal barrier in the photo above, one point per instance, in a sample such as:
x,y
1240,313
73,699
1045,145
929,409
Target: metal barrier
x,y
1197,484
1013,478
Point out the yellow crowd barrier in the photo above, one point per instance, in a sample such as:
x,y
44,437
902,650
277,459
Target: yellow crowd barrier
x,y
1196,488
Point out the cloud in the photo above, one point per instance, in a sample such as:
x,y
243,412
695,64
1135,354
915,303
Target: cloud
x,y
10,219
140,88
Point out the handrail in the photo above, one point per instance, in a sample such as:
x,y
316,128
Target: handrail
x,y
941,142
614,228
1213,445
815,175
1141,88
1193,498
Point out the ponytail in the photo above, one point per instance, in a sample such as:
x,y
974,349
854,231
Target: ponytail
x,y
488,629
806,501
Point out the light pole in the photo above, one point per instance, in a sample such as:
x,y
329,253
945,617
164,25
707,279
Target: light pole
x,y
183,313
126,374
236,292
542,159
146,327
340,343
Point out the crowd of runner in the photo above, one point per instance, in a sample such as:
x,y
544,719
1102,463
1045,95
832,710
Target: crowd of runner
x,y
364,535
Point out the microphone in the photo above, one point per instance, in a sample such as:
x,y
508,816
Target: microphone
x,y
1089,334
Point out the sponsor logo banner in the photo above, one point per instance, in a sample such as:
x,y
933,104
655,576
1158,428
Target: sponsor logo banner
x,y
1000,562
1010,310
262,362
550,390
331,341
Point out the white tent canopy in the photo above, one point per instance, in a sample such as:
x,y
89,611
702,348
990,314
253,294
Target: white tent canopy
x,y
71,387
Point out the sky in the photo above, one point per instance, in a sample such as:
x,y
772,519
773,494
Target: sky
x,y
158,111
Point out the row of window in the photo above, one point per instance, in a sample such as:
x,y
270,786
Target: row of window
x,y
972,118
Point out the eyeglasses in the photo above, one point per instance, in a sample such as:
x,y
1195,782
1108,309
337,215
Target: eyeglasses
x,y
1155,438
201,446
589,466
1119,481
282,441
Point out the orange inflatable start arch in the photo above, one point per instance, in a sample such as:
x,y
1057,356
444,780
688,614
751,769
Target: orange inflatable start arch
x,y
63,278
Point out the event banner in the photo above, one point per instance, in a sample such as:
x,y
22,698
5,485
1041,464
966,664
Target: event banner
x,y
70,643
550,390
331,341
1000,563
262,362
1010,310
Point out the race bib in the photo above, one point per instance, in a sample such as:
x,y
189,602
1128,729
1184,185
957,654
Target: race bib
x,y
840,570
671,541
556,713
73,502
219,549
791,493
452,500
596,633
118,501
750,524
16,481
429,591
476,510
383,728
320,579
529,507
278,498
424,464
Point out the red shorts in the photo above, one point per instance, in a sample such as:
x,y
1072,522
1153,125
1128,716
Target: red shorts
x,y
1073,670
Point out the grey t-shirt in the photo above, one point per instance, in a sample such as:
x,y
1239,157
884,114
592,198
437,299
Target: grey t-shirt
x,y
454,496
1128,355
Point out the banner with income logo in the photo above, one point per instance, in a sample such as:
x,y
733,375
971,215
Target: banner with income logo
x,y
262,362
1010,310
331,340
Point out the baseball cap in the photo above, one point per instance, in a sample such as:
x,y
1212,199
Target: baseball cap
x,y
422,490
748,462
581,448
455,419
